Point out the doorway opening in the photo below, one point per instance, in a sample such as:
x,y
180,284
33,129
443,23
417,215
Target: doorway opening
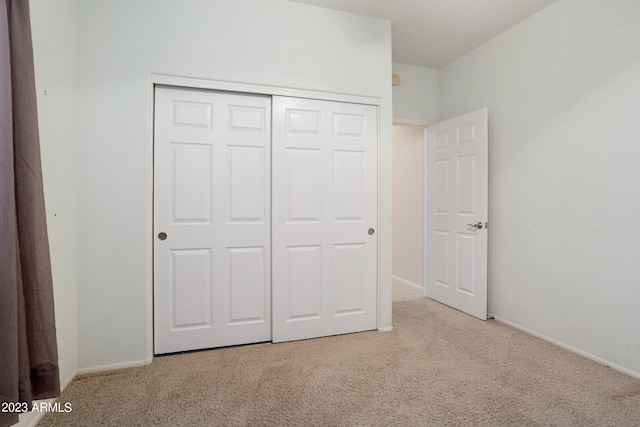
x,y
408,198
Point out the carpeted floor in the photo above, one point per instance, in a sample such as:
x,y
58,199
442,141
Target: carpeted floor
x,y
438,367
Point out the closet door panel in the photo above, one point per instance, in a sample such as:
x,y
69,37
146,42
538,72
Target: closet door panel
x,y
324,206
212,219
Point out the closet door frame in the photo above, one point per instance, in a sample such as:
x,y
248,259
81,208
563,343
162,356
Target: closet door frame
x,y
186,82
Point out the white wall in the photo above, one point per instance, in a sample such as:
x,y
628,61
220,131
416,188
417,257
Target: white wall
x,y
417,96
121,42
408,204
563,92
415,101
55,56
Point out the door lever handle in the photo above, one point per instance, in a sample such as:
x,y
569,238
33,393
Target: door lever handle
x,y
477,226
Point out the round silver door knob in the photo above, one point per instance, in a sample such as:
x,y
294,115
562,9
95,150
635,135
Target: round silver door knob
x,y
162,236
371,231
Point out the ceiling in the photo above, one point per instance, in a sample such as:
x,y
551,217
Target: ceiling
x,y
433,33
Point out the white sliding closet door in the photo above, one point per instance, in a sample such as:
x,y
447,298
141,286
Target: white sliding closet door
x,y
212,249
324,218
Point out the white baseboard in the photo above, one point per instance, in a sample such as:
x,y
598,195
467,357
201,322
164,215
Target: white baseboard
x,y
570,348
407,282
31,419
113,366
64,384
387,329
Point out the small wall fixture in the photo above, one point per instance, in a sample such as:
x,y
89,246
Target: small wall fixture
x,y
395,80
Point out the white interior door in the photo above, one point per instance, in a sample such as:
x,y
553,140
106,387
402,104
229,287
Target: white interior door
x,y
457,192
212,253
324,218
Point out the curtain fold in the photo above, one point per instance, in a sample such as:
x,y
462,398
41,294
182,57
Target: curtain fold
x,y
28,349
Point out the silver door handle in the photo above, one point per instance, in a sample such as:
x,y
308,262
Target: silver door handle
x,y
477,226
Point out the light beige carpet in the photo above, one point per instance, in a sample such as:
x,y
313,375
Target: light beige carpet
x,y
438,367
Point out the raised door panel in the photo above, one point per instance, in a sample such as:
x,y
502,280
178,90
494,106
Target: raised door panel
x,y
303,198
441,187
349,280
194,114
245,118
467,188
441,253
302,121
191,163
191,289
245,177
350,125
247,298
349,185
466,263
302,284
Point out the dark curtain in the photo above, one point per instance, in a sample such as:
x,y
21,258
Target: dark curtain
x,y
28,350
